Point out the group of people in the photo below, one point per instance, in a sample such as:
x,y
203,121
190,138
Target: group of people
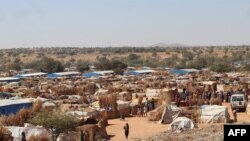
x,y
142,110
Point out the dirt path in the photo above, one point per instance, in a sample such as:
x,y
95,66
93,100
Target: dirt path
x,y
142,128
241,116
139,128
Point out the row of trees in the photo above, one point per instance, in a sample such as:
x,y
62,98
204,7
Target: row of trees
x,y
184,59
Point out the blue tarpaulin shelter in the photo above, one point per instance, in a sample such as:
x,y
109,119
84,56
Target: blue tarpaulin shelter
x,y
178,72
91,74
8,106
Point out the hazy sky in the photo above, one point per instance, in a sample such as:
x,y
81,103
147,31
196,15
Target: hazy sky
x,y
78,23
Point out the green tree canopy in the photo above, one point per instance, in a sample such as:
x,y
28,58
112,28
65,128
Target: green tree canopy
x,y
56,123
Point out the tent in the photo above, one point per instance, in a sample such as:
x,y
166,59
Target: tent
x,y
181,123
214,114
170,113
29,129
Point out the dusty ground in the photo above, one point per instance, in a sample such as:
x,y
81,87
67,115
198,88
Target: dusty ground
x,y
141,128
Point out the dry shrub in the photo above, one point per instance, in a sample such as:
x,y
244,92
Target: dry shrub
x,y
63,90
39,138
25,114
215,101
14,120
5,134
37,106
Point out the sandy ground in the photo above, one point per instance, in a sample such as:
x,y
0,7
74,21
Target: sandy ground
x,y
141,128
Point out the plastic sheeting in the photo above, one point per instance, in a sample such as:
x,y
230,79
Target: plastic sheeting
x,y
214,114
170,113
28,129
181,123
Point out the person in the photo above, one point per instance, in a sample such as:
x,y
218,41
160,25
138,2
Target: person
x,y
82,136
139,112
235,115
153,103
23,137
122,117
126,130
145,110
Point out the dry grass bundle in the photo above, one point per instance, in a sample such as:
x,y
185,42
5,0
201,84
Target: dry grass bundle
x,y
37,106
25,114
13,120
127,97
30,93
112,89
215,101
165,98
9,90
1,89
63,90
140,98
39,138
5,134
156,114
107,101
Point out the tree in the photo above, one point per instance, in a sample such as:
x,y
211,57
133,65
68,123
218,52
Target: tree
x,y
134,60
16,64
55,123
221,68
82,65
118,66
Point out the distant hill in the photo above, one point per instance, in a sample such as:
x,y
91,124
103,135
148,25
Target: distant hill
x,y
169,45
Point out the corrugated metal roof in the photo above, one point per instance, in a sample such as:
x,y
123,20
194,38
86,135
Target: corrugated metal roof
x,y
9,79
67,73
6,102
32,74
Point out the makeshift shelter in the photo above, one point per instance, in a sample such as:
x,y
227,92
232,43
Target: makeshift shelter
x,y
8,106
9,79
5,95
181,123
170,113
29,129
214,114
153,92
91,74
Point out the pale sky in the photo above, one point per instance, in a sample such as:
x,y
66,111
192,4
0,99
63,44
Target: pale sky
x,y
88,23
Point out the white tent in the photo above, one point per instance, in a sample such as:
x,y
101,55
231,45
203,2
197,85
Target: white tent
x,y
29,131
181,123
170,113
214,114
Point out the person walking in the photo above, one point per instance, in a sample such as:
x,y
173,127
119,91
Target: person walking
x,y
153,103
23,137
82,136
126,130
